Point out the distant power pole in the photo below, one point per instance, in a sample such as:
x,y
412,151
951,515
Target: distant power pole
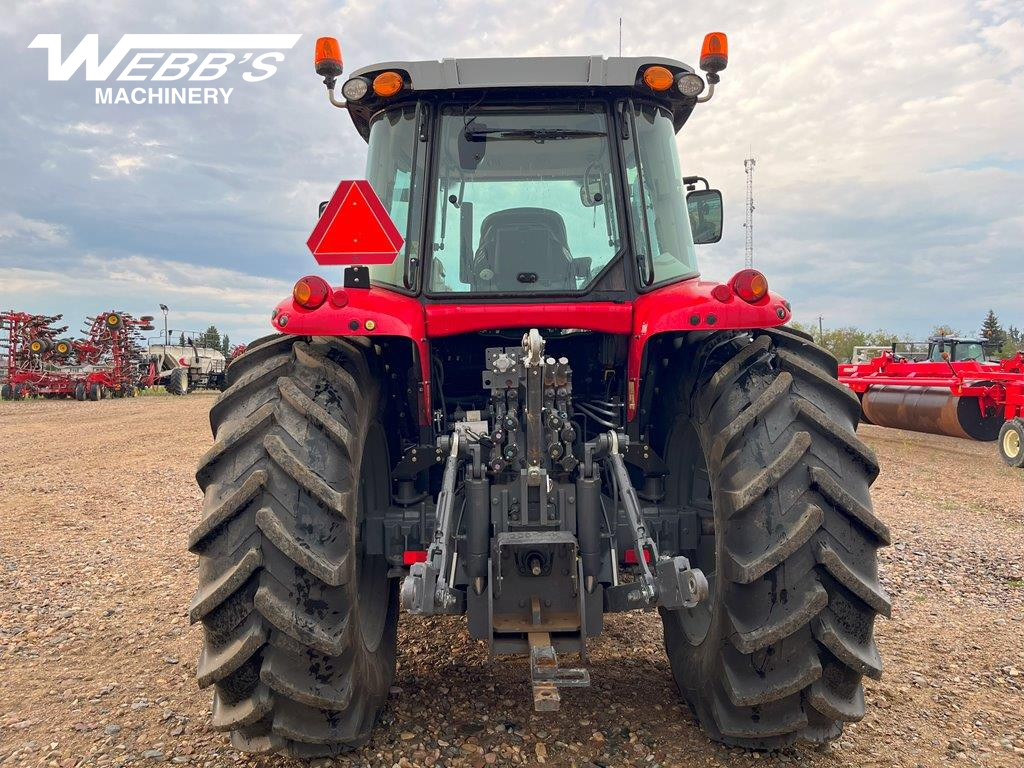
x,y
748,224
620,35
821,330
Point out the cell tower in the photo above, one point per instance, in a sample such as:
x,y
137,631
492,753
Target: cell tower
x,y
748,223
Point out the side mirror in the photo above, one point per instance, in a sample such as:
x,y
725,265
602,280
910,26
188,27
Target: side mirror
x,y
323,207
705,208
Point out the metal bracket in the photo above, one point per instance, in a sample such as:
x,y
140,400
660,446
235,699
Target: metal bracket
x,y
673,584
546,677
429,587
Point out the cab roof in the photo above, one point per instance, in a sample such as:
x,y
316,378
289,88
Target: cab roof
x,y
547,76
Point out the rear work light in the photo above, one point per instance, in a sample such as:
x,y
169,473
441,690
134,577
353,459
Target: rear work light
x,y
658,78
311,292
750,285
355,88
387,84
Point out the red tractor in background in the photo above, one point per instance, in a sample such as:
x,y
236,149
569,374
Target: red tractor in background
x,y
522,405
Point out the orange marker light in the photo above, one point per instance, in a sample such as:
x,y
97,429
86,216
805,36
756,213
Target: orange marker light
x,y
327,58
658,78
750,285
714,54
311,292
387,84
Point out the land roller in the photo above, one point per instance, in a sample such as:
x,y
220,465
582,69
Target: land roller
x,y
954,390
523,406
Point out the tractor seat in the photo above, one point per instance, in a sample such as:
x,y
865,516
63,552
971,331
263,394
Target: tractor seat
x,y
523,249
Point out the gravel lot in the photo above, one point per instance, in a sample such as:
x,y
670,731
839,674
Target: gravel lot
x,y
97,659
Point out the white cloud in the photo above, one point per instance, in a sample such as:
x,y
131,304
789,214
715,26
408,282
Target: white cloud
x,y
887,135
17,231
237,302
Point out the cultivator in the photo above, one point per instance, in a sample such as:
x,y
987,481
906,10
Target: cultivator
x,y
945,394
38,363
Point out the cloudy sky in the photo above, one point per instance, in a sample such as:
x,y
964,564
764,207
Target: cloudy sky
x,y
889,139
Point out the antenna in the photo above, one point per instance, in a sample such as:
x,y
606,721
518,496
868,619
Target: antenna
x,y
620,35
748,223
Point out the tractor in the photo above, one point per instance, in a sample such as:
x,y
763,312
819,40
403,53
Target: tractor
x,y
522,405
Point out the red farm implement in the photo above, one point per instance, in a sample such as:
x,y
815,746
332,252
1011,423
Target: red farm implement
x,y
945,395
37,363
32,353
112,354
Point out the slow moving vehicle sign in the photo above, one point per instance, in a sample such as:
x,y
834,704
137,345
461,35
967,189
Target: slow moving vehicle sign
x,y
355,228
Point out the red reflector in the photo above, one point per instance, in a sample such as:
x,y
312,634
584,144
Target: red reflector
x,y
411,556
630,556
722,292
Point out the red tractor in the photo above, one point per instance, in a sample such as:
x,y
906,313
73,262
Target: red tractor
x,y
523,406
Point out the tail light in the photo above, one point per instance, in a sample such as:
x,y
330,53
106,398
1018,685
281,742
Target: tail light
x,y
750,285
311,292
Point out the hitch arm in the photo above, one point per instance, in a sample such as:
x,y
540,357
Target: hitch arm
x,y
672,584
428,589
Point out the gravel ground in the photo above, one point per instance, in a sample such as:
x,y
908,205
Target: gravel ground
x,y
97,659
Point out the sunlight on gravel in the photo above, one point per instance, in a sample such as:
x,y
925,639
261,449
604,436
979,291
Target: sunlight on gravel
x,y
97,659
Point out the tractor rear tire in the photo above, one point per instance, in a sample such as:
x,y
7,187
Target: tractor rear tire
x,y
761,441
95,392
300,624
80,391
177,381
6,392
1011,443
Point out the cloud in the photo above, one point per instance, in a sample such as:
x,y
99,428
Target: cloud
x,y
235,301
17,231
888,184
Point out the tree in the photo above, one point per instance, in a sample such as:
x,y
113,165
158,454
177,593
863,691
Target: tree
x,y
993,331
181,339
225,345
210,338
944,330
1014,341
841,341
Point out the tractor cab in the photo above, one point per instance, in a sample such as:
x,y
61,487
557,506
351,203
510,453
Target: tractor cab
x,y
956,350
552,176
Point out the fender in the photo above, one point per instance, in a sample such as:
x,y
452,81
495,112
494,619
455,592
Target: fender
x,y
369,311
691,305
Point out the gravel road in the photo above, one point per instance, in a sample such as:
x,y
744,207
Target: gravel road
x,y
97,659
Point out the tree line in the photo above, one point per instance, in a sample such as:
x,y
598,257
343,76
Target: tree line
x,y
211,338
1001,342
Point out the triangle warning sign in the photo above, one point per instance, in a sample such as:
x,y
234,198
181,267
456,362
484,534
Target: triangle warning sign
x,y
355,228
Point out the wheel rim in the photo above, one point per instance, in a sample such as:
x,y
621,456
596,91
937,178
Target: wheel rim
x,y
372,585
1011,444
693,490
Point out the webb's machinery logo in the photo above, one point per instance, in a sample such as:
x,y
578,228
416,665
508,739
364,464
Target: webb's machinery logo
x,y
168,58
